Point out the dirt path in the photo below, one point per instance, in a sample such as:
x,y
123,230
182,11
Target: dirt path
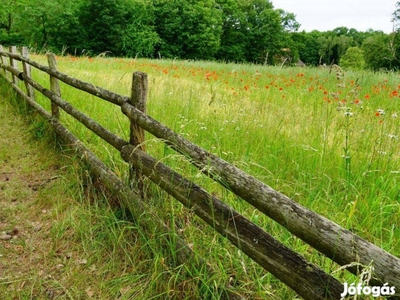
x,y
24,224
31,190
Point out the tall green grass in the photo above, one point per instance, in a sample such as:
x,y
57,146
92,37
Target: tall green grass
x,y
327,138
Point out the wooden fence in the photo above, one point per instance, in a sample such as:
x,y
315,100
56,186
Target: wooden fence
x,y
308,280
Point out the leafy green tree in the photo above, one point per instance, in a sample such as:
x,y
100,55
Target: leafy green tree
x,y
102,23
396,17
29,19
140,37
332,47
341,44
122,28
357,36
233,36
307,46
380,51
7,14
265,36
39,17
353,59
254,31
325,49
289,22
65,31
188,28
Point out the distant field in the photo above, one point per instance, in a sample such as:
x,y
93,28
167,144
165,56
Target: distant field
x,y
327,138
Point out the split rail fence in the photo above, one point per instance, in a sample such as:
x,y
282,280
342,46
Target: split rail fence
x,y
330,239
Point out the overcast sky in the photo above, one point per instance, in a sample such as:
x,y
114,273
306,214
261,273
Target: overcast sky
x,y
325,15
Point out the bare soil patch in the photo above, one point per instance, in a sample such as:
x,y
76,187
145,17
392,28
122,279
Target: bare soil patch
x,y
33,262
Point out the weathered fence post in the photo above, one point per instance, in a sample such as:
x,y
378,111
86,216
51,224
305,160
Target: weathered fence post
x,y
54,86
13,63
3,60
27,70
138,100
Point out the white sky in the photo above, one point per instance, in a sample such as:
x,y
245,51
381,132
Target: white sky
x,y
326,15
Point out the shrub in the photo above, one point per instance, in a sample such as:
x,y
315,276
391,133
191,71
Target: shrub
x,y
353,59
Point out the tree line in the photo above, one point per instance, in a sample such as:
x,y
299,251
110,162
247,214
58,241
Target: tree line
x,y
226,30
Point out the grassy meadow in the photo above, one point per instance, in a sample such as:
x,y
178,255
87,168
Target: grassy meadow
x,y
327,138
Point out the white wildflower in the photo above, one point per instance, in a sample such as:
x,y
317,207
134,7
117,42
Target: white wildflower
x,y
381,111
